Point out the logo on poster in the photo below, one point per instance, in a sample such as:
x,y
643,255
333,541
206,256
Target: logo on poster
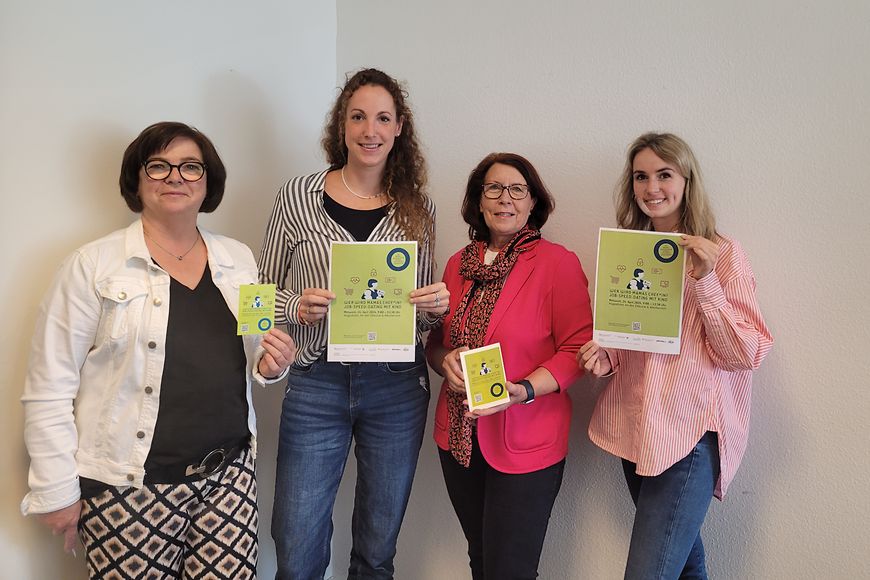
x,y
398,259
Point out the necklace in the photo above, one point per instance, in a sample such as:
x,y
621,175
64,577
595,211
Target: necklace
x,y
178,257
344,181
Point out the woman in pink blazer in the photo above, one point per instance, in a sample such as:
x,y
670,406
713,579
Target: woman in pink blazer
x,y
503,465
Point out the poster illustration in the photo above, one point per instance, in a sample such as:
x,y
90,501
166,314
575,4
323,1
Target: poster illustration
x,y
256,308
485,379
639,290
371,318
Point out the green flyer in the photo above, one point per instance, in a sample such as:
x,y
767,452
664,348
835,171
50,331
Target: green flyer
x,y
485,379
371,318
256,308
639,290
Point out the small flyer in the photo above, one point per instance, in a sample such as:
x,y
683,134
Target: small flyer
x,y
639,291
485,379
256,308
371,318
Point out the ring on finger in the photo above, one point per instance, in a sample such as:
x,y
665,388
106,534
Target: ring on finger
x,y
437,300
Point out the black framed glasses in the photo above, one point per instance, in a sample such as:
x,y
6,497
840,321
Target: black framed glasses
x,y
188,170
517,191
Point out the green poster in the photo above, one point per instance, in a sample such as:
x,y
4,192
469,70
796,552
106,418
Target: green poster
x,y
256,308
485,379
639,290
371,318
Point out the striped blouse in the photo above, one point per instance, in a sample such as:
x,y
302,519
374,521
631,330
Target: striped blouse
x,y
295,256
657,407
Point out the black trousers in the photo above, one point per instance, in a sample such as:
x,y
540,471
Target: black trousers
x,y
504,515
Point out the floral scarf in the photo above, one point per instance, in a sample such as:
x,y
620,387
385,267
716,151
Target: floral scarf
x,y
471,320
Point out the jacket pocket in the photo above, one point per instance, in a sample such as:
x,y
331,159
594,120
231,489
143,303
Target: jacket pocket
x,y
525,433
122,302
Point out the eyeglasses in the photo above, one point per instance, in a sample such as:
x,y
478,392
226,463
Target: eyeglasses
x,y
494,189
188,170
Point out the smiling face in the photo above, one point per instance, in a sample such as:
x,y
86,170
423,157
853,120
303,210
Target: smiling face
x,y
173,195
658,190
505,216
370,126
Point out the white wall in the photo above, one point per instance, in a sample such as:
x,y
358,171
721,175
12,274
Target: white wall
x,y
773,96
78,81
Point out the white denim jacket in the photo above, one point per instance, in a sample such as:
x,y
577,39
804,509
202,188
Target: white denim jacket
x,y
93,384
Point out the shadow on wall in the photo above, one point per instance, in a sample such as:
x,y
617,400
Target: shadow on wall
x,y
736,546
91,161
591,519
246,129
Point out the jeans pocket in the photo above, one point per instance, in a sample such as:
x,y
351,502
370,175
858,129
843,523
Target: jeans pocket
x,y
296,375
418,365
403,368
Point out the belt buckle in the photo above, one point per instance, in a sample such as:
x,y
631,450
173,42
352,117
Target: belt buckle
x,y
209,465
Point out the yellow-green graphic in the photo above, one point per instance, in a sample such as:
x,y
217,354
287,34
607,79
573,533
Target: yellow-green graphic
x,y
639,290
371,318
256,308
485,378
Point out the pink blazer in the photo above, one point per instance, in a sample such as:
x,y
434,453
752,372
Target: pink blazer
x,y
542,318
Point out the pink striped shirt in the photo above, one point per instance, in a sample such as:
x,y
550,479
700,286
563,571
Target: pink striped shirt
x,y
657,407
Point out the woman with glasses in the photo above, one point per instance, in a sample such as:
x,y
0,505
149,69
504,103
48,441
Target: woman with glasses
x,y
138,412
503,465
373,190
679,422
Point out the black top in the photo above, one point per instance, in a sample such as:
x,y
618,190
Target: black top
x,y
359,222
203,402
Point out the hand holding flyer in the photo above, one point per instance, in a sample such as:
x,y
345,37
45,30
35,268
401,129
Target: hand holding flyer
x,y
485,379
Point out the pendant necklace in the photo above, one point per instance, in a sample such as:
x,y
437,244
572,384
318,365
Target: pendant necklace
x,y
178,257
344,181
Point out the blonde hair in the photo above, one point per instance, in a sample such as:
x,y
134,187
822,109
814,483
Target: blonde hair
x,y
696,215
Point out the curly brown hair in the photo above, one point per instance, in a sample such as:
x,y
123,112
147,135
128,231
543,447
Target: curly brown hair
x,y
405,175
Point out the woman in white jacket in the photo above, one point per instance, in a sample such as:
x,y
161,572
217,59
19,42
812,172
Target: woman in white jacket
x,y
138,412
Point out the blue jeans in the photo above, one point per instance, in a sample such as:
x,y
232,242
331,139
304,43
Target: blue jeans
x,y
382,407
666,539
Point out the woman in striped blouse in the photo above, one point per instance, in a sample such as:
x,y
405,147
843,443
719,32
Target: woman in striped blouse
x,y
680,423
373,190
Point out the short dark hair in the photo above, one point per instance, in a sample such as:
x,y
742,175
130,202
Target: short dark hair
x,y
156,138
544,204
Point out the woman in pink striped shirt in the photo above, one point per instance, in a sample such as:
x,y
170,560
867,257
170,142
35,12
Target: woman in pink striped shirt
x,y
680,422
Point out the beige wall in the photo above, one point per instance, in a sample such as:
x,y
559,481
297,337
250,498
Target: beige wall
x,y
773,96
78,81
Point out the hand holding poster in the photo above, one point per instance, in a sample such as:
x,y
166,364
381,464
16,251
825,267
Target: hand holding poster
x,y
485,379
371,318
639,291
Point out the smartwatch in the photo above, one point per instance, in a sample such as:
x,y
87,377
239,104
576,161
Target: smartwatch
x,y
530,391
